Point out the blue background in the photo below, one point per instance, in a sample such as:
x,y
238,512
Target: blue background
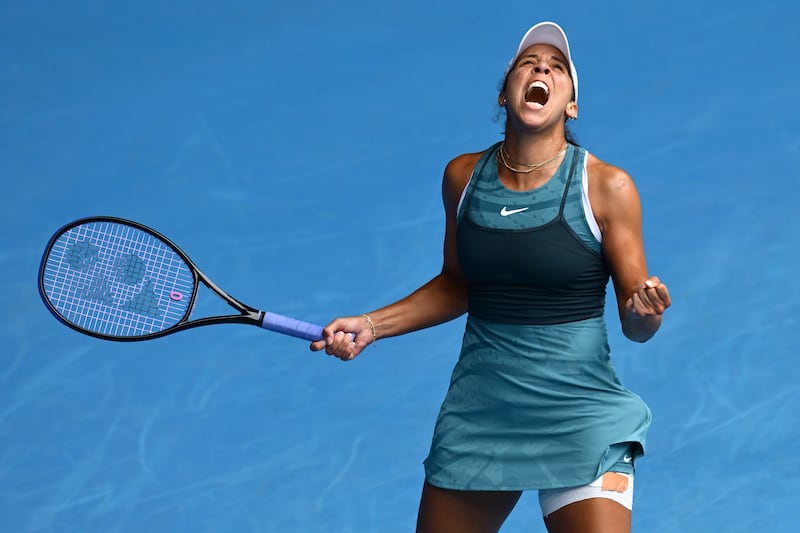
x,y
295,151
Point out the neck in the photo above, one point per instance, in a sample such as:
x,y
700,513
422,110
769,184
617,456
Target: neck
x,y
535,147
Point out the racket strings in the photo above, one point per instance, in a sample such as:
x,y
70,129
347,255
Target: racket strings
x,y
117,280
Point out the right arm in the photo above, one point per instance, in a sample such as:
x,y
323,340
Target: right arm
x,y
441,299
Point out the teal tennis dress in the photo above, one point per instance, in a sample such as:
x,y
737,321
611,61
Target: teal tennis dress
x,y
534,401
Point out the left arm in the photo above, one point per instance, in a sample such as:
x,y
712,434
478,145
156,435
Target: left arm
x,y
641,298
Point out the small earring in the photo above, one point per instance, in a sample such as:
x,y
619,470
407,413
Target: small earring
x,y
573,114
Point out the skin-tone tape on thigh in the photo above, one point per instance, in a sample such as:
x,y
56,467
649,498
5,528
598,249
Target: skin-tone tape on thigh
x,y
615,481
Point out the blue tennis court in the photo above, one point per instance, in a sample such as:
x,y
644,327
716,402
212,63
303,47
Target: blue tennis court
x,y
295,152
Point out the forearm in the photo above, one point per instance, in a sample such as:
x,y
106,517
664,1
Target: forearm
x,y
442,299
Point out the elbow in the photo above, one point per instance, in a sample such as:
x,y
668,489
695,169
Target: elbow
x,y
642,329
638,336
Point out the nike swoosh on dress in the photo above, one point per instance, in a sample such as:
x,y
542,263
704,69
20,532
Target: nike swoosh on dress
x,y
506,211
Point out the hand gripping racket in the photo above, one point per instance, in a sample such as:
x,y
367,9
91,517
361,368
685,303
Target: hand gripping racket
x,y
119,280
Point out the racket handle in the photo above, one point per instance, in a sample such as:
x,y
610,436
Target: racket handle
x,y
291,326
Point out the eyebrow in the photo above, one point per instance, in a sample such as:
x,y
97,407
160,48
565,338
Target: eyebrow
x,y
537,56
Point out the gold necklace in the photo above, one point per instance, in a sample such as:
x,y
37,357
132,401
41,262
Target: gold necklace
x,y
502,155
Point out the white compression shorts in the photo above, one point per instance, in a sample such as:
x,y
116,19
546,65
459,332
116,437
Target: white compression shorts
x,y
611,485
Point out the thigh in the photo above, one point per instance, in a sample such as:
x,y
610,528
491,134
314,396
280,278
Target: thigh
x,y
457,511
595,515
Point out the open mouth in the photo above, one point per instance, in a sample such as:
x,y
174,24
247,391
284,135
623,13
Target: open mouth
x,y
537,93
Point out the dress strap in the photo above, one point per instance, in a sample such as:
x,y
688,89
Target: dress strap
x,y
570,174
487,156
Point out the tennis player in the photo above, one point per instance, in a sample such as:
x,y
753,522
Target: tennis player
x,y
535,227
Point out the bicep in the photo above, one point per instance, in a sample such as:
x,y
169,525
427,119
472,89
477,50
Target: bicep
x,y
623,244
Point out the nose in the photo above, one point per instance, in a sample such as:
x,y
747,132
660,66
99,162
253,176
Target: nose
x,y
541,69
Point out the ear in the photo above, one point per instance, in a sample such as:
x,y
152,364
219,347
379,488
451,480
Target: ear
x,y
501,99
572,110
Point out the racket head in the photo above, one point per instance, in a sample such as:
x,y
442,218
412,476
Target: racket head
x,y
116,279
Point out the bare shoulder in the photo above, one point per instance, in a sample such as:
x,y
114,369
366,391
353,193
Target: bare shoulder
x,y
457,174
605,176
611,189
460,168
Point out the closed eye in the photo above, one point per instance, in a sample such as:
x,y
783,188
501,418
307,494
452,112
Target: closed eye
x,y
557,63
554,62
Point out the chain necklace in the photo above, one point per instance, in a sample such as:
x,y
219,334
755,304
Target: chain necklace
x,y
502,155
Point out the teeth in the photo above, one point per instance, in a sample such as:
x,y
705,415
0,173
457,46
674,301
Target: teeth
x,y
537,93
540,85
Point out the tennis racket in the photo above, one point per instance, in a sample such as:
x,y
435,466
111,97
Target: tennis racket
x,y
119,280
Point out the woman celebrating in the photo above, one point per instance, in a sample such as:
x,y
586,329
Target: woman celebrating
x,y
535,226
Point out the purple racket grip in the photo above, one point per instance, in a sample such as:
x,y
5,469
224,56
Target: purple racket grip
x,y
291,326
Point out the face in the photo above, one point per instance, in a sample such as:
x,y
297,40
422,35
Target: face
x,y
539,87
